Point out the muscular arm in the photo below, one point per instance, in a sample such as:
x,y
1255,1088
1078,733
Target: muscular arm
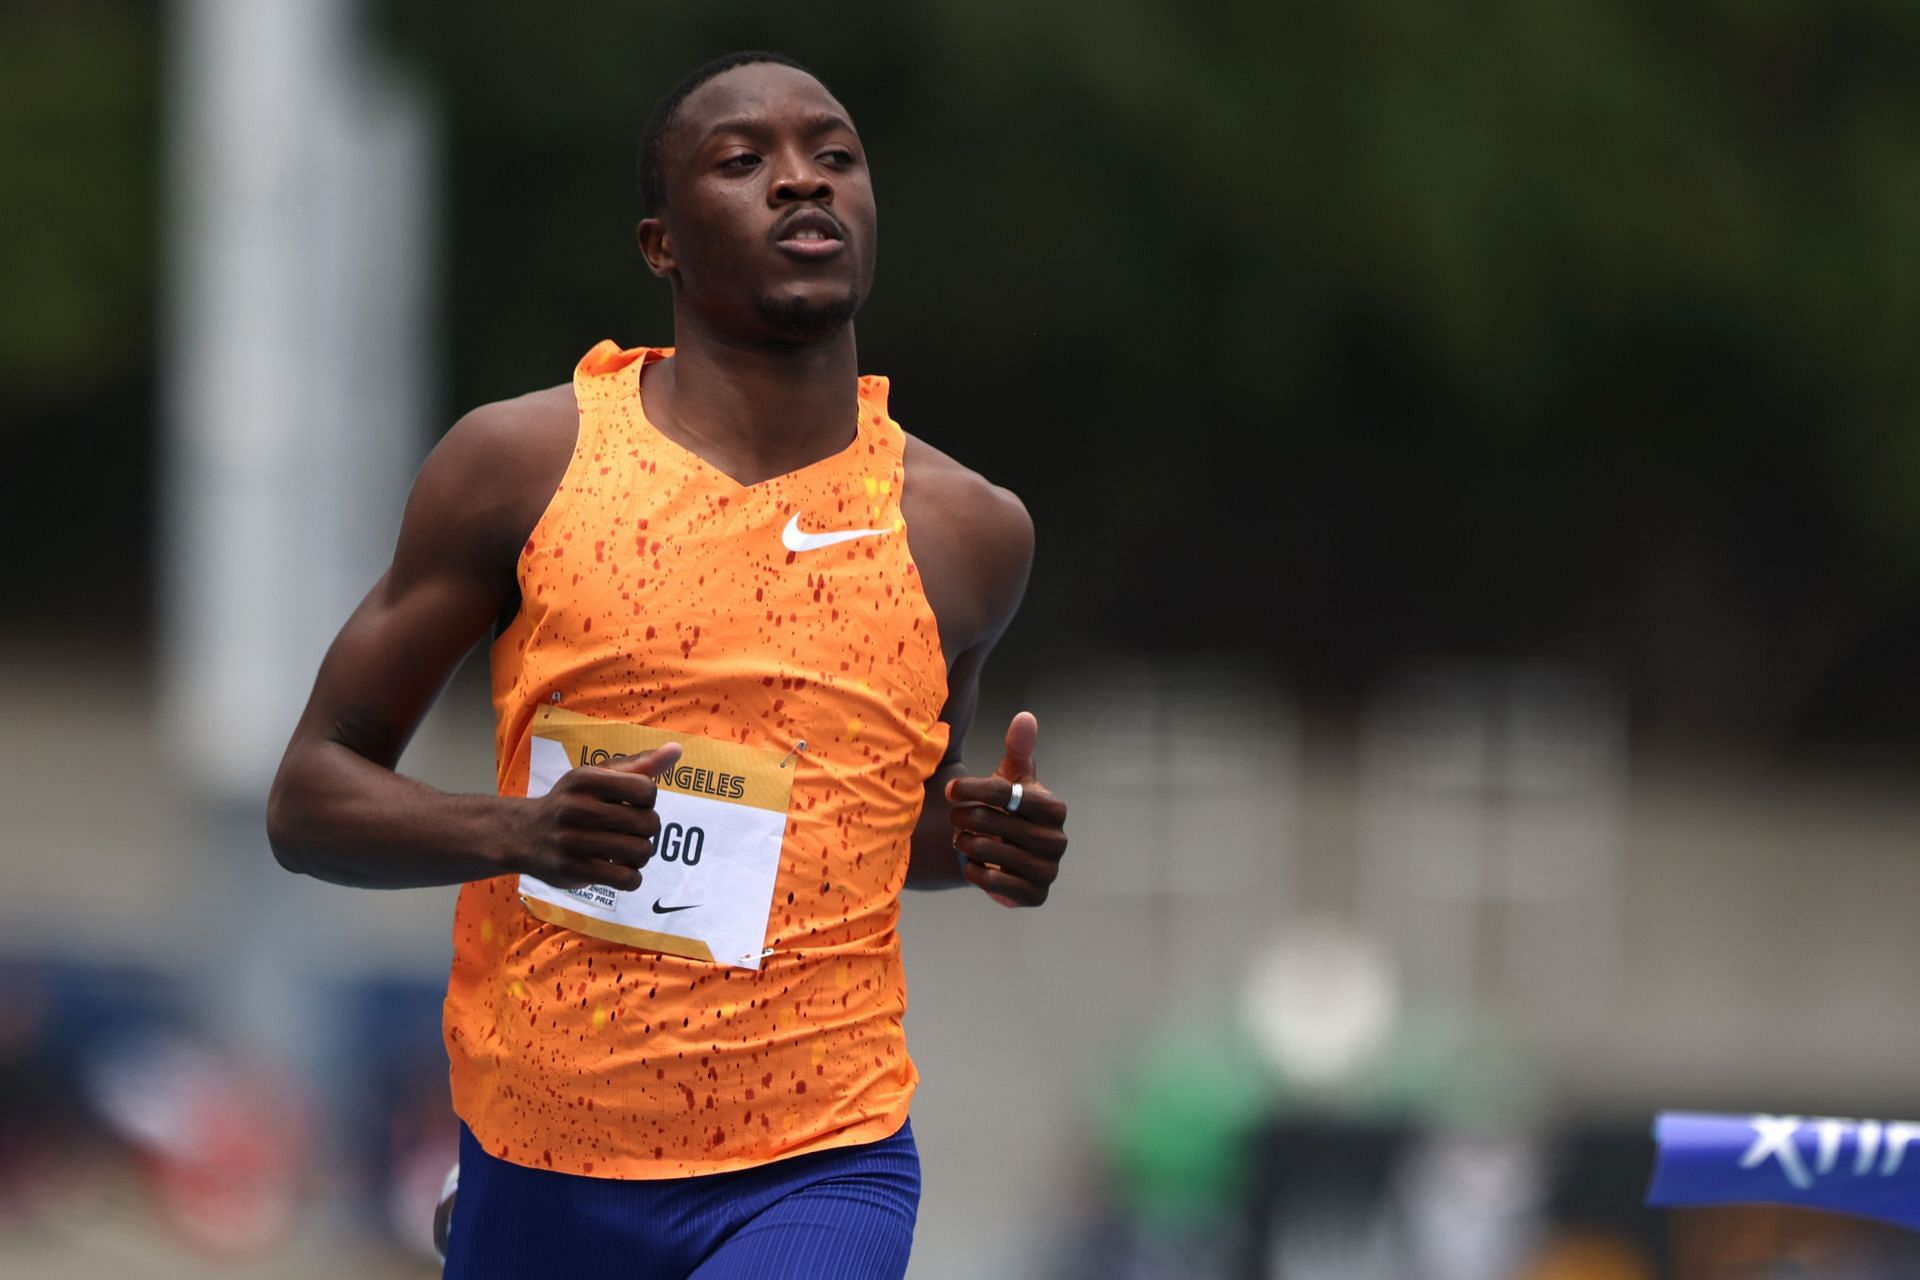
x,y
338,811
973,544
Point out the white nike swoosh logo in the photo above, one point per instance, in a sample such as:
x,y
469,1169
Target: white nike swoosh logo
x,y
794,540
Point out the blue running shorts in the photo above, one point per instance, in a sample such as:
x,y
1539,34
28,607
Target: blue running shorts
x,y
844,1214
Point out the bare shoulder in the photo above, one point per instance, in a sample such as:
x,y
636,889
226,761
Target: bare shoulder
x,y
944,489
485,484
527,430
973,541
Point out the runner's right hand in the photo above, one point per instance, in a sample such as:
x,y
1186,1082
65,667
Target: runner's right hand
x,y
596,826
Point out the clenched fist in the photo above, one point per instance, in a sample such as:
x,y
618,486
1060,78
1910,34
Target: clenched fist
x,y
1007,827
596,826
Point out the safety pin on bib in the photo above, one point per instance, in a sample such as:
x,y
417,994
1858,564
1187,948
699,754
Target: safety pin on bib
x,y
798,747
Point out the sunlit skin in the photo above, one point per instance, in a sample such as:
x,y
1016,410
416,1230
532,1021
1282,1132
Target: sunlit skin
x,y
764,169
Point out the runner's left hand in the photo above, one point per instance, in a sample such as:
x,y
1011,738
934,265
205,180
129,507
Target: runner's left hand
x,y
1015,857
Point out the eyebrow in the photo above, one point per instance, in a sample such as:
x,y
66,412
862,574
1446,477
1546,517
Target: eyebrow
x,y
757,126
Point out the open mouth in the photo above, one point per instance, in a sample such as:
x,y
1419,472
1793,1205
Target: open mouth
x,y
810,234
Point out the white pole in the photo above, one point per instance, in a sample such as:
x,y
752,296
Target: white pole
x,y
299,202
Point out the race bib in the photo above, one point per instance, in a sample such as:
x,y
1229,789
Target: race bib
x,y
707,892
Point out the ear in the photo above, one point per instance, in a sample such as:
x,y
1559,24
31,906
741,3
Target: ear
x,y
656,246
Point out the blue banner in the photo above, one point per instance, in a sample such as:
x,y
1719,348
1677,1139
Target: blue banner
x,y
1861,1167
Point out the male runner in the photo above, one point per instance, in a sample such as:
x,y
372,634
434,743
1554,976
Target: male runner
x,y
732,545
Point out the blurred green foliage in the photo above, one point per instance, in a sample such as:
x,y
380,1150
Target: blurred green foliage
x,y
78,170
1329,334
79,262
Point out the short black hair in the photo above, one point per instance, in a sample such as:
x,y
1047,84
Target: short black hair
x,y
653,183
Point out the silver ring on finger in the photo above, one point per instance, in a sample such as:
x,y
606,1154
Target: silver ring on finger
x,y
1013,804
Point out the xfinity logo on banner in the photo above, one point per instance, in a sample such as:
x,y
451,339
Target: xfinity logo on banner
x,y
1872,1142
1816,1162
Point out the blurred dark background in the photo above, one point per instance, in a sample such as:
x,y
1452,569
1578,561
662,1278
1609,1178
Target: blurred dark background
x,y
1476,457
1323,336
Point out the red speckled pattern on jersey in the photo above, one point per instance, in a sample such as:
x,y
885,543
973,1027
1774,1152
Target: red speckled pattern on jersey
x,y
657,590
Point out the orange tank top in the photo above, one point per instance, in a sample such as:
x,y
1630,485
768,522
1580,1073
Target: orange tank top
x,y
657,591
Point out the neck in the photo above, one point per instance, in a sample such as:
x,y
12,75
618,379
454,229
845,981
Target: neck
x,y
755,410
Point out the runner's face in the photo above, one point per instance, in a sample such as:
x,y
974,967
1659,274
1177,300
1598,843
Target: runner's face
x,y
770,219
